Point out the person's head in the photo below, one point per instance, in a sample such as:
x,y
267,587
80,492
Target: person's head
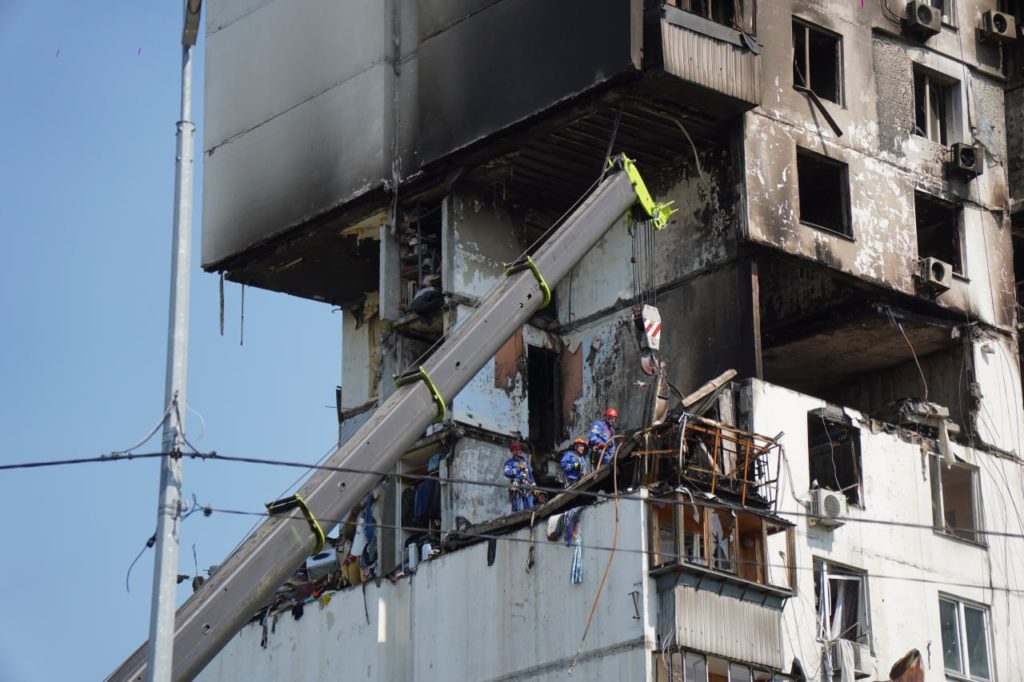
x,y
579,445
611,415
516,447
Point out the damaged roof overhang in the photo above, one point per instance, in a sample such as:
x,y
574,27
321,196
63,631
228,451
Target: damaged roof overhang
x,y
327,259
841,344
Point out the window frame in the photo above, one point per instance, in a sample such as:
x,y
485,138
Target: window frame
x,y
938,503
831,425
947,11
844,190
949,131
825,570
963,640
840,73
960,266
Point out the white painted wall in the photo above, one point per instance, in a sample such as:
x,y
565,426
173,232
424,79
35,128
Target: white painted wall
x,y
459,619
907,567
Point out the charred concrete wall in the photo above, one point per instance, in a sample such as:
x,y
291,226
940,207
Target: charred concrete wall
x,y
885,163
311,104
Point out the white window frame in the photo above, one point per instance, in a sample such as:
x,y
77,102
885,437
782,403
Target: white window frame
x,y
938,465
945,122
826,572
961,623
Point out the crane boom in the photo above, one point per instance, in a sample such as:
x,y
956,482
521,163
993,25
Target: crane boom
x,y
246,580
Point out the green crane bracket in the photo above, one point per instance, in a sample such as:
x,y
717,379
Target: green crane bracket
x,y
287,504
659,213
420,374
526,263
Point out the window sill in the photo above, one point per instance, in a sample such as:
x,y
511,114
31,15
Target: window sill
x,y
980,544
804,91
829,231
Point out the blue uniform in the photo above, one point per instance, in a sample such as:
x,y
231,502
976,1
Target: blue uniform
x,y
574,465
522,485
600,433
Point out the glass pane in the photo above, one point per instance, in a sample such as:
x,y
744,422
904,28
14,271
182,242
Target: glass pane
x,y
739,673
977,643
958,502
696,668
722,527
950,635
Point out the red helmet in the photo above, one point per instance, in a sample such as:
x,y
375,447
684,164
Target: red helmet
x,y
611,412
515,446
579,441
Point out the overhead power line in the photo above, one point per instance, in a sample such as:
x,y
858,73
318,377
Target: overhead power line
x,y
645,552
708,504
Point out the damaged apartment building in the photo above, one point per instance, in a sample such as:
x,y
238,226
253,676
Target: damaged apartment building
x,y
848,185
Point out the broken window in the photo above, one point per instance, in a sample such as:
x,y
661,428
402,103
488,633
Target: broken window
x,y
955,506
833,451
664,534
694,549
938,230
823,192
933,106
817,61
722,537
543,396
965,649
690,666
840,598
719,11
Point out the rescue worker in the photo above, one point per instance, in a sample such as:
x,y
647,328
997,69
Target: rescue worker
x,y
522,486
574,462
601,433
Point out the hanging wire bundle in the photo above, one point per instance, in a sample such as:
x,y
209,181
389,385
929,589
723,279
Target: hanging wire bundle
x,y
644,291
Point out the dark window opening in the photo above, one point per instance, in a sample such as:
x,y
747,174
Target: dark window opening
x,y
833,449
719,11
955,499
938,231
544,402
817,61
823,192
933,106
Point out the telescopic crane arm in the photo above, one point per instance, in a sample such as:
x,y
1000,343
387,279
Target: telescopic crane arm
x,y
247,579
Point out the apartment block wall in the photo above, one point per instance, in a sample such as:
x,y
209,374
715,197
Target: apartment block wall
x,y
885,162
908,566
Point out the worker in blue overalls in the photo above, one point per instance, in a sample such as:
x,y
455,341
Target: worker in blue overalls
x,y
601,433
522,487
574,462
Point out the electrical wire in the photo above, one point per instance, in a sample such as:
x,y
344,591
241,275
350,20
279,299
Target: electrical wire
x,y
637,551
722,505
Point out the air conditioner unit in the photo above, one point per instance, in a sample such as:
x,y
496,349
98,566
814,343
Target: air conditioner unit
x,y
827,508
999,27
966,159
862,660
325,562
923,21
934,276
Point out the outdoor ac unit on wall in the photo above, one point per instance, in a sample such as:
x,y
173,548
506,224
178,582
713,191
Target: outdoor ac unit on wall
x,y
999,27
861,657
934,276
966,159
827,508
923,20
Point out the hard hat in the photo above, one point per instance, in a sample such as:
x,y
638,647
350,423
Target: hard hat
x,y
579,441
515,446
611,412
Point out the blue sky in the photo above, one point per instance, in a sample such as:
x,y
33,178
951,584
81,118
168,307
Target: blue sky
x,y
91,95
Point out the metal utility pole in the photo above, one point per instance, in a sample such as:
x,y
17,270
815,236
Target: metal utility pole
x,y
168,524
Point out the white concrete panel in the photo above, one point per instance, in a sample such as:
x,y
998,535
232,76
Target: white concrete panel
x,y
483,238
222,13
996,369
459,619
